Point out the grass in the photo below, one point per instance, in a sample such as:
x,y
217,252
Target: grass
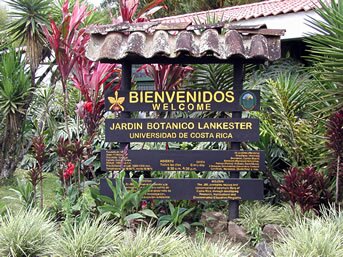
x,y
49,186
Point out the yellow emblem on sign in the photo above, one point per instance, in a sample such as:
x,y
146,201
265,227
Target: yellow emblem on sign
x,y
116,102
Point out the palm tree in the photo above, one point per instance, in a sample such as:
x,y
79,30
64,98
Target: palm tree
x,y
27,17
15,87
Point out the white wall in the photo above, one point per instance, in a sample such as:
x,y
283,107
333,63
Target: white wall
x,y
294,23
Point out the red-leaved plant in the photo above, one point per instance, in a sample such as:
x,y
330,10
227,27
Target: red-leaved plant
x,y
128,9
67,40
308,188
36,173
335,144
74,152
93,79
166,76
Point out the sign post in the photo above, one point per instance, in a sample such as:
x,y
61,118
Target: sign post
x,y
125,85
151,42
238,77
234,130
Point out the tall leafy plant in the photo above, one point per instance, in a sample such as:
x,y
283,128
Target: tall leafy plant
x,y
326,48
15,90
285,116
167,76
27,17
92,79
65,40
335,144
130,11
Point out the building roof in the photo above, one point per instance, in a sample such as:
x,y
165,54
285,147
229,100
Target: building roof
x,y
248,11
156,42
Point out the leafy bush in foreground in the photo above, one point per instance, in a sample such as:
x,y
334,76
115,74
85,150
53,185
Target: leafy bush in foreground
x,y
88,238
255,216
220,249
147,242
26,233
313,237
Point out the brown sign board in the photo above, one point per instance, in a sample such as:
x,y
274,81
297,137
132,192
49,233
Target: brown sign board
x,y
181,100
174,160
182,130
196,189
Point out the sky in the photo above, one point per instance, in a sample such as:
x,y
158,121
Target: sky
x,y
95,2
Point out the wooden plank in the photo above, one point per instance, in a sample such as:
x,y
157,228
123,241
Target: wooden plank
x,y
182,130
181,100
196,189
174,160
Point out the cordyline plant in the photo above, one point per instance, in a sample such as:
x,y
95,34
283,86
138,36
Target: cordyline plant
x,y
71,154
36,173
166,76
308,188
128,9
93,79
335,144
66,40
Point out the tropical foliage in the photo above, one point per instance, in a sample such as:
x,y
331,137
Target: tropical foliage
x,y
15,95
59,122
326,47
26,233
27,17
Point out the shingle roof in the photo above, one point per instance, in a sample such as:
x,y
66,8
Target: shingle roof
x,y
159,42
248,11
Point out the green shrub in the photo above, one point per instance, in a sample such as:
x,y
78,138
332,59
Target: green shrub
x,y
313,237
148,242
175,220
88,238
125,204
24,194
26,233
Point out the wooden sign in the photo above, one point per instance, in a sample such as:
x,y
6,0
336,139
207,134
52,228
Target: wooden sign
x,y
196,189
181,130
181,100
174,160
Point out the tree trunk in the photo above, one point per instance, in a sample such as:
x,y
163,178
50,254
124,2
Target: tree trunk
x,y
12,148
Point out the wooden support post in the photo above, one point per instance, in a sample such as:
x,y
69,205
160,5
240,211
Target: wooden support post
x,y
126,77
238,77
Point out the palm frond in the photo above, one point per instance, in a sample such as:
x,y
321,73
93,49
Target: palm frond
x,y
327,48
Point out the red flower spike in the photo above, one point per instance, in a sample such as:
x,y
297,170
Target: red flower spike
x,y
69,171
88,107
